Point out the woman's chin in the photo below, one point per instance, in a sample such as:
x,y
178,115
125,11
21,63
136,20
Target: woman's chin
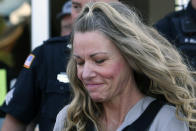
x,y
97,99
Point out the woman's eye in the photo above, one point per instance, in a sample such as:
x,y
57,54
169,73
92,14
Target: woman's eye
x,y
79,62
100,61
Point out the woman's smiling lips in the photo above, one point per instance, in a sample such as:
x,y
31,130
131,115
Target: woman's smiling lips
x,y
92,86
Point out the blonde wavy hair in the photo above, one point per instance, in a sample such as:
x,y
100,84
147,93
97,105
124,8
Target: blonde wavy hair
x,y
158,68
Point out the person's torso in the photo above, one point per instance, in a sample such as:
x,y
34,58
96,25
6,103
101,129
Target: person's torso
x,y
180,29
54,83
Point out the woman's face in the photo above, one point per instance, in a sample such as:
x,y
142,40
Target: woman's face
x,y
193,2
100,66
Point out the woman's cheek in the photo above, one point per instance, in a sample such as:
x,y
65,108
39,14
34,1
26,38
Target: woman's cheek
x,y
113,70
79,73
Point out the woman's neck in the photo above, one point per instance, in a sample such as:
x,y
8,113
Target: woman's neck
x,y
115,110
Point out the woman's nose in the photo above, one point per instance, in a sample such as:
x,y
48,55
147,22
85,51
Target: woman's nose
x,y
88,71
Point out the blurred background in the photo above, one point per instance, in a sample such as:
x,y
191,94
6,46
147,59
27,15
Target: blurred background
x,y
25,24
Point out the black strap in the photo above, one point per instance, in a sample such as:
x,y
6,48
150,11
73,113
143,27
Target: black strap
x,y
145,120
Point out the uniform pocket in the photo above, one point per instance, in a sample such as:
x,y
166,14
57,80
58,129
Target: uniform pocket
x,y
56,96
57,87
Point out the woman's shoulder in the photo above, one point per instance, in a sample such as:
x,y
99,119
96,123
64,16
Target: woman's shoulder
x,y
166,119
63,112
60,119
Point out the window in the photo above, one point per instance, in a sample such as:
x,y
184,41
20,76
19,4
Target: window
x,y
180,4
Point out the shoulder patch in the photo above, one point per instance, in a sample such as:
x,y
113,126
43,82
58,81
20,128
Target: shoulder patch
x,y
29,61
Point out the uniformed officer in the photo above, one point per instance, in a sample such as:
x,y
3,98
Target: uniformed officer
x,y
42,87
180,29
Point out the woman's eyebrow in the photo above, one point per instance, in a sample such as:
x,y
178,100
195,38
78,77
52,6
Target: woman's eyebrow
x,y
98,54
77,56
92,55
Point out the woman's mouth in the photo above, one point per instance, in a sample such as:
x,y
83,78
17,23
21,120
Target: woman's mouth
x,y
93,86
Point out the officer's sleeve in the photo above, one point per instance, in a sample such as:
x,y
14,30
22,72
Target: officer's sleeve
x,y
22,102
164,27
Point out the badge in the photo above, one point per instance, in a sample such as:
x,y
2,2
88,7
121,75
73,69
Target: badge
x,y
62,77
69,46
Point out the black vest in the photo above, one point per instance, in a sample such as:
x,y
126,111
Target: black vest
x,y
143,122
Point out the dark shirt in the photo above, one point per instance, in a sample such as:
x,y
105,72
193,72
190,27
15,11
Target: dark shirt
x,y
40,93
180,29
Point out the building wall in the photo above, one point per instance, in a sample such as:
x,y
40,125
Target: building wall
x,y
159,8
152,10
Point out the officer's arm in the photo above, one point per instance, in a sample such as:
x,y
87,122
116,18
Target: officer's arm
x,y
22,101
12,124
164,27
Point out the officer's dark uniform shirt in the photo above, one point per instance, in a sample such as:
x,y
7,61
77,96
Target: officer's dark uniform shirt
x,y
180,29
42,88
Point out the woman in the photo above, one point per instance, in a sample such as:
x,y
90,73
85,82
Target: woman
x,y
118,68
